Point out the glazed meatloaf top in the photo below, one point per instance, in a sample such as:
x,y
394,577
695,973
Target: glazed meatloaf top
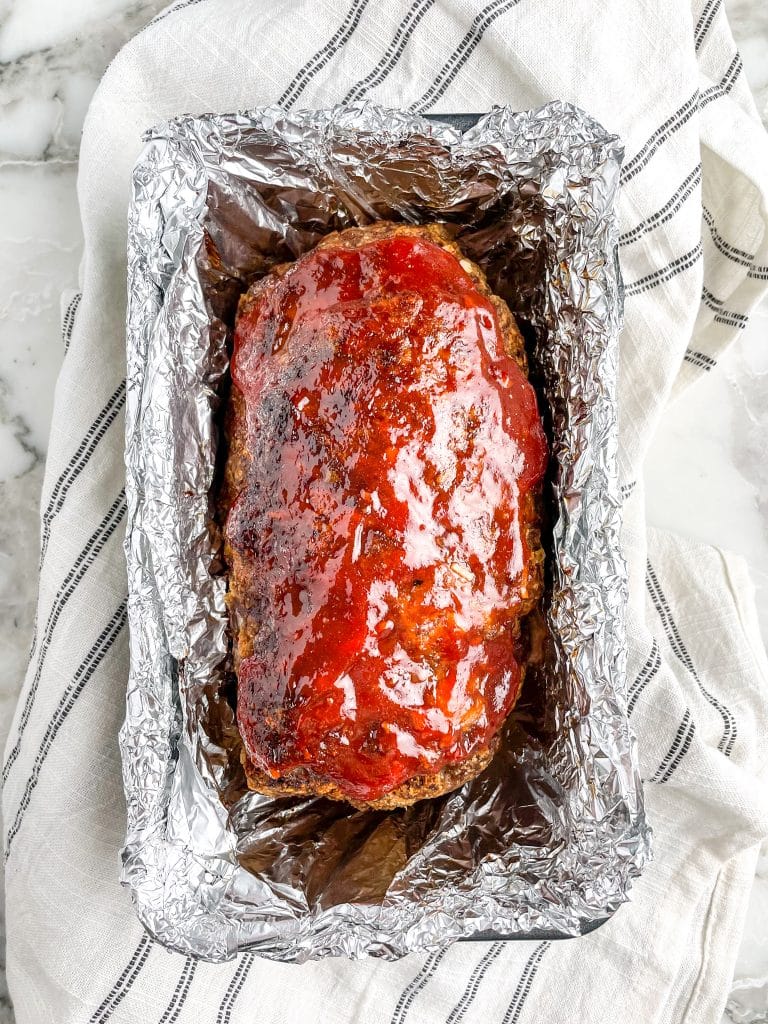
x,y
385,453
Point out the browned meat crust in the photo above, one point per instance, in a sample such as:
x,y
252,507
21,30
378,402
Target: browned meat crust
x,y
301,782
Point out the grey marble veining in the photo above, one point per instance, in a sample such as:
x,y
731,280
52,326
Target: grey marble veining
x,y
52,57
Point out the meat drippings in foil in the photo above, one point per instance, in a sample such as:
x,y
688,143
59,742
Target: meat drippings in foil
x,y
548,839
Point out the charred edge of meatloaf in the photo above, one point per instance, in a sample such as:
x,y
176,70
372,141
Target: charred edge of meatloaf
x,y
301,781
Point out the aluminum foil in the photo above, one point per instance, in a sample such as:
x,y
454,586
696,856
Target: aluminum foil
x,y
547,840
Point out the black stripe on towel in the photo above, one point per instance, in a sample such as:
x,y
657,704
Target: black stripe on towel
x,y
667,211
644,676
519,996
682,263
680,117
319,59
705,21
68,323
726,83
224,1015
731,251
730,321
677,751
723,315
87,667
79,461
393,53
699,359
661,605
83,562
457,1013
627,489
673,123
415,985
482,21
173,10
122,986
174,1008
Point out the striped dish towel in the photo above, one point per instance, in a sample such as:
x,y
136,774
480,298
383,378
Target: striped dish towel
x,y
694,245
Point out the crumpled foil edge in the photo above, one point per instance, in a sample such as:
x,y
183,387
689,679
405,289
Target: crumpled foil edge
x,y
180,855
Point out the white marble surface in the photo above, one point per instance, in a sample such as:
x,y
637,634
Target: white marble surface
x,y
707,474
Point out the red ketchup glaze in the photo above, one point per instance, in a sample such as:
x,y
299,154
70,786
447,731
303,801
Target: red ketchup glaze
x,y
392,441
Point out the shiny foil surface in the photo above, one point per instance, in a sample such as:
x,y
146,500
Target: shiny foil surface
x,y
548,839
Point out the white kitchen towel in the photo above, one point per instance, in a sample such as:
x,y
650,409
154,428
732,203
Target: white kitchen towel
x,y
668,80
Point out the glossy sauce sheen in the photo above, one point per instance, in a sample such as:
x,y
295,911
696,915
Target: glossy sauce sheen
x,y
392,441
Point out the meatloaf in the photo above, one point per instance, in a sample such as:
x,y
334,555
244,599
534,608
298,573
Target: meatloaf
x,y
384,463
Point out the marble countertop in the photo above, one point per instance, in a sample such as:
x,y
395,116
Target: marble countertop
x,y
707,474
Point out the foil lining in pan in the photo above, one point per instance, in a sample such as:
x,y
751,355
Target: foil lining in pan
x,y
548,839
